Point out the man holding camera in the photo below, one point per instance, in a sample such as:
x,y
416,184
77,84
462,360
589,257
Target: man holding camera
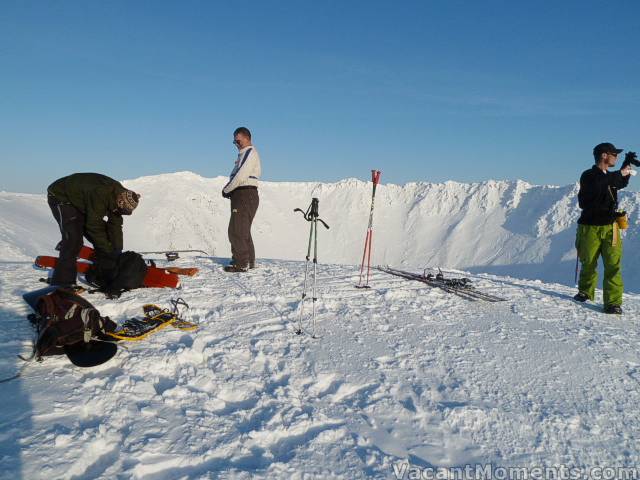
x,y
599,226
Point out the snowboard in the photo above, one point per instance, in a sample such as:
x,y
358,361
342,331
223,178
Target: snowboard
x,y
155,278
81,354
154,319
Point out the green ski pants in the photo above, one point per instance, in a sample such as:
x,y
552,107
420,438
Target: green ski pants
x,y
591,242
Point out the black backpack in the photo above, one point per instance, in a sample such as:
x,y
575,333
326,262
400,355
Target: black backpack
x,y
130,274
64,318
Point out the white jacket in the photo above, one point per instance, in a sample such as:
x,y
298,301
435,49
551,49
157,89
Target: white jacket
x,y
246,171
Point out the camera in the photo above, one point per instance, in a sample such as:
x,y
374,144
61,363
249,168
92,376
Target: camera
x,y
631,158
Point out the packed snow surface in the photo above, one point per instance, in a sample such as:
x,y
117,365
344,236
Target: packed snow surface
x,y
400,374
402,378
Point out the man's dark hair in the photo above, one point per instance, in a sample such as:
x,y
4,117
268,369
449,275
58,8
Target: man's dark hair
x,y
243,130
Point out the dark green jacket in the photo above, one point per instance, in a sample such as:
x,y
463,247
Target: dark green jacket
x,y
95,196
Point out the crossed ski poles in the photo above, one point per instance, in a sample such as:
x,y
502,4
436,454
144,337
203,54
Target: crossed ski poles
x,y
375,178
312,216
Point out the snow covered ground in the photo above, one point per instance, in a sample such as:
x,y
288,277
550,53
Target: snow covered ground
x,y
402,377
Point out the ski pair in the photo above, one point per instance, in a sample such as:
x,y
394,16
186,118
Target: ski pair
x,y
154,319
460,287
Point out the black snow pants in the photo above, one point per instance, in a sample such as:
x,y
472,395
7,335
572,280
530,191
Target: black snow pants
x,y
71,223
244,204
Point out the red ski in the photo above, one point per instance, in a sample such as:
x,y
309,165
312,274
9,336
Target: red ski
x,y
86,253
155,278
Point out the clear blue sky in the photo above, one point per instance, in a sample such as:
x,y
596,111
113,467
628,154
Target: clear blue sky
x,y
423,90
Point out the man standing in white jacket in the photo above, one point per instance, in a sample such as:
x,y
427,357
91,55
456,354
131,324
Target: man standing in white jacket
x,y
242,189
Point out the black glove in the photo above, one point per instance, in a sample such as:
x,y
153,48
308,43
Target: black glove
x,y
225,195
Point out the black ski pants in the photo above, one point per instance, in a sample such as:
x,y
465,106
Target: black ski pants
x,y
71,223
244,204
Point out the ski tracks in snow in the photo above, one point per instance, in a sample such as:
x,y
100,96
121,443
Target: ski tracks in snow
x,y
401,372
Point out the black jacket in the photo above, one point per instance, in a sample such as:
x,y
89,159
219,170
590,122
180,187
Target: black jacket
x,y
95,196
598,196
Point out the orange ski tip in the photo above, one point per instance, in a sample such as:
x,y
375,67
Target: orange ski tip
x,y
190,272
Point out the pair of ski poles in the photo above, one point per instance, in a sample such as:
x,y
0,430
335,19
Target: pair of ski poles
x,y
313,217
366,255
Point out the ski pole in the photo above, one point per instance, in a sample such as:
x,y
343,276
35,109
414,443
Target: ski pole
x,y
311,216
375,179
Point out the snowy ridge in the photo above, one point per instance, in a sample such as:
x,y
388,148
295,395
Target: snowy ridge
x,y
501,227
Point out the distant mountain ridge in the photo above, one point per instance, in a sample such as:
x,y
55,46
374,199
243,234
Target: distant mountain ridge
x,y
502,227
